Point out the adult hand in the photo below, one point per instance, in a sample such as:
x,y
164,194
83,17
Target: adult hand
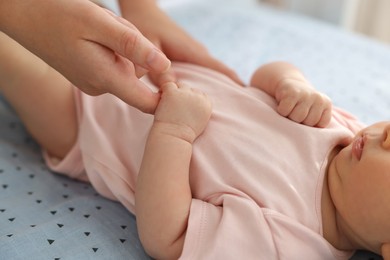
x,y
96,50
170,38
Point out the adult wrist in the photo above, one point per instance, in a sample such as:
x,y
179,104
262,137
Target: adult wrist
x,y
132,7
5,9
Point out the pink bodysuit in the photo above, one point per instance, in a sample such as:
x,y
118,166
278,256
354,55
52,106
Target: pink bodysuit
x,y
256,176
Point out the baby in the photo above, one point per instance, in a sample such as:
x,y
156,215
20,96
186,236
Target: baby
x,y
268,171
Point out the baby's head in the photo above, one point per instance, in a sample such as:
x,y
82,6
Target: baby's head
x,y
359,185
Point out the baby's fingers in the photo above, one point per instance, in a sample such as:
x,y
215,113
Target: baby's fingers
x,y
325,118
287,105
320,112
314,117
300,112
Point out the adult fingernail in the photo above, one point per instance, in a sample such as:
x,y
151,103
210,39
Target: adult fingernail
x,y
166,77
157,61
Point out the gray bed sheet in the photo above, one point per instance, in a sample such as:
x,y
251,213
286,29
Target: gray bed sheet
x,y
47,216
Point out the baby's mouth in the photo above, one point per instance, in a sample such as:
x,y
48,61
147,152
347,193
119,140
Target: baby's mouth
x,y
357,147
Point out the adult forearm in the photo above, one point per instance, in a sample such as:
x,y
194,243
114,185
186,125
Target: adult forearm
x,y
142,14
130,6
37,24
5,5
163,195
10,13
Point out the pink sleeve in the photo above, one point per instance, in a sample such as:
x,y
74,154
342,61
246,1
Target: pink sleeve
x,y
71,165
236,230
240,229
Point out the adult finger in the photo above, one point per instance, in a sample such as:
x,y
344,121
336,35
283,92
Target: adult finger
x,y
127,41
140,71
159,79
136,93
124,84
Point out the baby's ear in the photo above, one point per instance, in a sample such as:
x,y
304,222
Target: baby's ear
x,y
385,250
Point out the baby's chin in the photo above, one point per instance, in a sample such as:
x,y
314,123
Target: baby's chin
x,y
348,140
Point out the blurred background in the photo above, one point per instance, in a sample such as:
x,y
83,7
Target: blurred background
x,y
369,17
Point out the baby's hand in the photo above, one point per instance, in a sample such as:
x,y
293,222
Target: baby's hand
x,y
183,111
301,103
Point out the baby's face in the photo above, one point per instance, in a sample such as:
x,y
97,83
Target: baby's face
x,y
359,182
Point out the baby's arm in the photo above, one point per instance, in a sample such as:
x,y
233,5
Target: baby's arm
x,y
163,194
296,98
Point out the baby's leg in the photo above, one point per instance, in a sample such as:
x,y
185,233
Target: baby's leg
x,y
42,97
